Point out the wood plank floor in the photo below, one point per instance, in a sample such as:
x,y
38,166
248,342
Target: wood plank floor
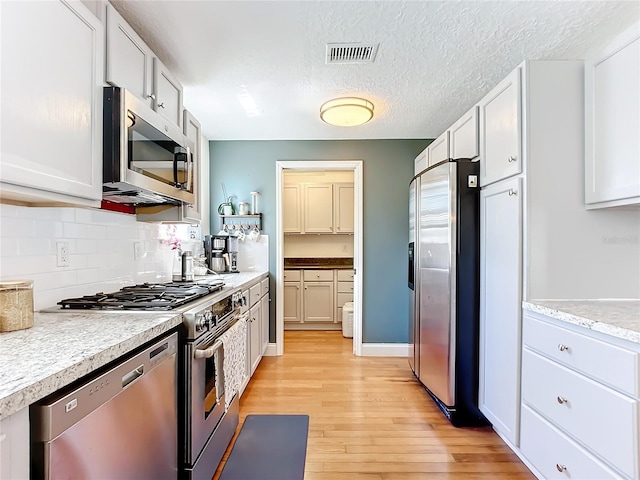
x,y
369,418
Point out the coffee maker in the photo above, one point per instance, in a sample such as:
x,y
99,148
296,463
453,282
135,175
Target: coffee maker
x,y
218,247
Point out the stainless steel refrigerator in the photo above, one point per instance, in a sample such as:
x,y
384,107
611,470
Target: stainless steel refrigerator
x,y
444,283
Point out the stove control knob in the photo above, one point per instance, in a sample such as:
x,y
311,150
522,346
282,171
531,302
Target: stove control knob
x,y
203,321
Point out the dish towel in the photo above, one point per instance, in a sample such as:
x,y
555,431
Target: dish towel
x,y
235,357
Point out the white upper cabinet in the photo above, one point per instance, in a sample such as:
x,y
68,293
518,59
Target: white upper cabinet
x,y
612,123
129,59
52,78
438,150
168,93
292,209
420,163
131,64
343,206
463,136
318,208
500,131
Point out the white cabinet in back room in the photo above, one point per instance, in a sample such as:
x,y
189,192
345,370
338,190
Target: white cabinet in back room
x,y
612,123
292,209
318,296
318,208
62,109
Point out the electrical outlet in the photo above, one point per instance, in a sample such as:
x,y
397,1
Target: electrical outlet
x,y
138,253
63,254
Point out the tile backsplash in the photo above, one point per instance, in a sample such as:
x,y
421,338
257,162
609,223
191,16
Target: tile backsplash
x,y
107,250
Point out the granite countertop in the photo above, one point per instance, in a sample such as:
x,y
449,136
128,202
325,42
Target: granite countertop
x,y
66,345
318,263
618,318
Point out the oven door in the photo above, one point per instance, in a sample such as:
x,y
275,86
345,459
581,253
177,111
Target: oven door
x,y
206,399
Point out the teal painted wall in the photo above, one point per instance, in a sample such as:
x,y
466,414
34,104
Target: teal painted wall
x,y
244,166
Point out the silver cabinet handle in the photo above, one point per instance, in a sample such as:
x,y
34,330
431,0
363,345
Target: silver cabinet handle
x,y
561,468
207,352
512,192
562,400
161,105
562,347
512,158
152,96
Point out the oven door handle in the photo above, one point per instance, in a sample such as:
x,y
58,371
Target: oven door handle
x,y
207,352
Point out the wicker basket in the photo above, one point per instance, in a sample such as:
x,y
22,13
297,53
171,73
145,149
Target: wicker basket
x,y
16,305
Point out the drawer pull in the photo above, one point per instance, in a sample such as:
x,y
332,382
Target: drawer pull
x,y
511,158
561,468
562,347
562,400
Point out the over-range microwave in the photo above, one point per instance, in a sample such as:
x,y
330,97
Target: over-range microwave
x,y
147,160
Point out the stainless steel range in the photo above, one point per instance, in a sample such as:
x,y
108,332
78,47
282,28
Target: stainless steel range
x,y
207,423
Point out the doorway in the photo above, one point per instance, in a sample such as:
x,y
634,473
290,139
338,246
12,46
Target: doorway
x,y
356,167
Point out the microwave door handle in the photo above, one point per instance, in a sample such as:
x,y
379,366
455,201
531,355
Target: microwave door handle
x,y
189,169
175,169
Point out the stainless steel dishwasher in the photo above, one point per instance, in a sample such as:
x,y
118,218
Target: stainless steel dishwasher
x,y
121,424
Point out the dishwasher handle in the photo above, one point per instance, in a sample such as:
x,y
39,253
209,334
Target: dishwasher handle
x,y
132,375
207,352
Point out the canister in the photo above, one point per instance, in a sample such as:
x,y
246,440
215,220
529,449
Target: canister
x,y
243,208
16,305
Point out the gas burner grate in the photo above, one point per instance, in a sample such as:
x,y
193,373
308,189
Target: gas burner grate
x,y
146,296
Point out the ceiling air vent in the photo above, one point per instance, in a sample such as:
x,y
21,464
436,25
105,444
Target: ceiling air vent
x,y
351,52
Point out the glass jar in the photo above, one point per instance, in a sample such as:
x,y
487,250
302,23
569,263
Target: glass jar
x,y
16,305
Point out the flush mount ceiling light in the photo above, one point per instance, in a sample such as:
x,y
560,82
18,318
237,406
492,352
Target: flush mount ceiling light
x,y
346,112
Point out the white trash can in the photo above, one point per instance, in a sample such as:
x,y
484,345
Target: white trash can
x,y
347,320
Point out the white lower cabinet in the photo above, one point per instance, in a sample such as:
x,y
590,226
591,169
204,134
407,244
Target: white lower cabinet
x,y
594,426
255,317
555,455
500,305
14,446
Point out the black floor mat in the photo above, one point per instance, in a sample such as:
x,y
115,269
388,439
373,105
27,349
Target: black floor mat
x,y
269,447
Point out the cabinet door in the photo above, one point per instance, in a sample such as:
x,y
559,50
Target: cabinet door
x,y
500,305
420,163
464,136
439,149
129,59
168,93
612,147
343,206
500,131
14,445
318,208
318,302
291,209
264,323
255,340
292,302
51,119
191,128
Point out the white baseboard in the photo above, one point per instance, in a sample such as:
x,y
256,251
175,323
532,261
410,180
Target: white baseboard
x,y
270,351
385,349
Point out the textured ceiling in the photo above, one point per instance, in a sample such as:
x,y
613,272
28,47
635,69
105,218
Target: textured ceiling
x,y
435,60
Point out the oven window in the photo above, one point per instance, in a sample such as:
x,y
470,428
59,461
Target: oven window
x,y
213,390
153,154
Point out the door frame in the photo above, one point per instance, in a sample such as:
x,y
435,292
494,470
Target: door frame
x,y
356,167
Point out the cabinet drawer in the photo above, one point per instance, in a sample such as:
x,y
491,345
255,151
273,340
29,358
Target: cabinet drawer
x,y
318,275
603,420
292,275
605,362
343,298
345,275
345,287
254,294
264,286
553,454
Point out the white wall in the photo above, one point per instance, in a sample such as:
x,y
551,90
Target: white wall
x,y
319,246
101,245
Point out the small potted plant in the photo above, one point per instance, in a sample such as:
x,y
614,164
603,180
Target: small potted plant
x,y
226,207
